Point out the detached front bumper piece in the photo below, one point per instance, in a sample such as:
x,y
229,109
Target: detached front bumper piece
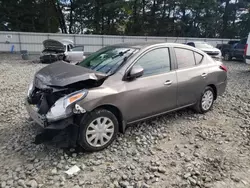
x,y
42,120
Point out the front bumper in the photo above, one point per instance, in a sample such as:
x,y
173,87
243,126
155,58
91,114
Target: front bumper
x,y
217,56
43,121
49,58
214,54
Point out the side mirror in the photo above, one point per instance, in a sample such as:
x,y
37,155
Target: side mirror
x,y
136,72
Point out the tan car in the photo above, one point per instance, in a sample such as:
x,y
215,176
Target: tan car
x,y
120,85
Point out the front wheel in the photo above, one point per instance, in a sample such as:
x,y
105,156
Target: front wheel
x,y
98,130
206,101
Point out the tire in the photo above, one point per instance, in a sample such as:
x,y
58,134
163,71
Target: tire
x,y
42,61
60,57
86,126
202,108
227,56
64,59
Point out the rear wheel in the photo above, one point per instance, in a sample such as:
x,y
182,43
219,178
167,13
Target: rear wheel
x,y
98,130
206,100
227,56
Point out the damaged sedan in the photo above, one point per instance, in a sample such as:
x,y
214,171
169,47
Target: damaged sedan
x,y
65,50
120,85
53,51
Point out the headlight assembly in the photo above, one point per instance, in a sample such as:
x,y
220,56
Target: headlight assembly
x,y
63,107
72,98
30,90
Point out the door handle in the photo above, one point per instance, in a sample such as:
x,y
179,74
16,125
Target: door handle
x,y
168,83
204,75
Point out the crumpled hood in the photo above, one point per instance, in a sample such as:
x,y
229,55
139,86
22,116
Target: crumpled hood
x,y
53,45
62,74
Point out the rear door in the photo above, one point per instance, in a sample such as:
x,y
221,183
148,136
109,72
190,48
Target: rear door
x,y
154,92
191,76
247,50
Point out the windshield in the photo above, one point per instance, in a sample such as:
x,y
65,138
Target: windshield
x,y
107,60
203,45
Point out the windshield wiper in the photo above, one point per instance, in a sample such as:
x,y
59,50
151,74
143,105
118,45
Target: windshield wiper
x,y
115,56
124,60
121,64
120,54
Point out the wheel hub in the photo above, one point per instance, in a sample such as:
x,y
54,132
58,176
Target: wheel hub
x,y
207,100
100,131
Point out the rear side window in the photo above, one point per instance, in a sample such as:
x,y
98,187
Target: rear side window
x,y
198,58
155,62
185,58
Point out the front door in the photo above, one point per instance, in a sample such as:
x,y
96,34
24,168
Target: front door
x,y
154,92
76,54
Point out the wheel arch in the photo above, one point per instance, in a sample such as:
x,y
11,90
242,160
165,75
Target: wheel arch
x,y
118,114
215,90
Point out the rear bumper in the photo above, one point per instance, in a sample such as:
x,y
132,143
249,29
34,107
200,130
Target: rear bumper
x,y
247,59
43,122
221,88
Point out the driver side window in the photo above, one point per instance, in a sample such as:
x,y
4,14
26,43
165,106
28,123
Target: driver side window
x,y
155,62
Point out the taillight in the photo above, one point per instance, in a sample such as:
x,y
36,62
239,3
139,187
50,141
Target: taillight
x,y
245,49
223,67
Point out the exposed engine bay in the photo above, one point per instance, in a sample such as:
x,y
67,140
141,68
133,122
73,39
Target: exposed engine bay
x,y
53,97
61,50
44,98
66,79
53,51
50,56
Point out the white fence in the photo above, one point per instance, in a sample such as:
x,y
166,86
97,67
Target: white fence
x,y
32,42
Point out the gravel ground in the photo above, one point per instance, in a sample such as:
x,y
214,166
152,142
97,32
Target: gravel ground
x,y
181,149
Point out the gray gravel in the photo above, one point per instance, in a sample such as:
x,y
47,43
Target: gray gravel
x,y
181,149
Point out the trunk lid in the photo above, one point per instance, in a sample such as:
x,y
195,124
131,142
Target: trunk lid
x,y
61,74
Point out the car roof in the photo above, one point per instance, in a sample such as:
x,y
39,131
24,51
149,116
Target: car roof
x,y
141,45
199,42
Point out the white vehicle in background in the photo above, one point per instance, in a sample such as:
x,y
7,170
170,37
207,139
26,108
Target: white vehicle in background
x,y
207,48
75,54
64,50
247,51
72,52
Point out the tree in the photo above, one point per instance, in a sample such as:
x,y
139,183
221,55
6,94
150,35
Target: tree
x,y
190,18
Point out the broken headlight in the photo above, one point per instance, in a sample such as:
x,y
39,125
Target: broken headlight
x,y
30,90
63,107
